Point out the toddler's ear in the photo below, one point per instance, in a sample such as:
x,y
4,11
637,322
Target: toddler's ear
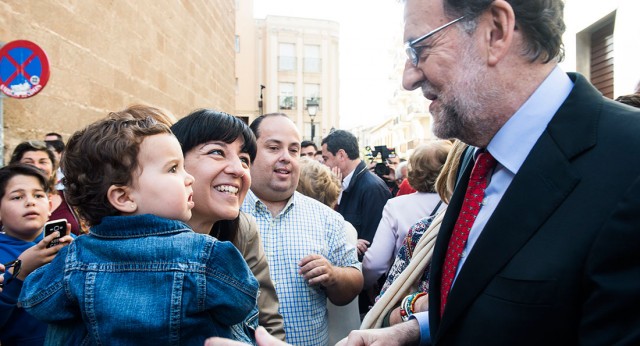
x,y
119,197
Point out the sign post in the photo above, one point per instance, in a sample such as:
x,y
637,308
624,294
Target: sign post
x,y
24,69
24,72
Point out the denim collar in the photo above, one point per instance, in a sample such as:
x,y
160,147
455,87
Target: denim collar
x,y
137,226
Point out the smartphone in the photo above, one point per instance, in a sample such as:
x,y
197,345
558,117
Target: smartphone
x,y
59,225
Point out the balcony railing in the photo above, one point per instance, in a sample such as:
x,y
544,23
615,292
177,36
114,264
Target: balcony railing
x,y
312,64
286,63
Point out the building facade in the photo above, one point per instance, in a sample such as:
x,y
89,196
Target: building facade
x,y
106,55
601,42
297,63
409,122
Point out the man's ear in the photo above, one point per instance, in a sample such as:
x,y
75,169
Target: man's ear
x,y
342,154
500,32
120,198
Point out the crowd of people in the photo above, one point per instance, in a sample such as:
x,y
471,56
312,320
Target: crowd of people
x,y
522,227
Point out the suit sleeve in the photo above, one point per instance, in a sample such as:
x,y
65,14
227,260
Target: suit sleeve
x,y
372,205
611,308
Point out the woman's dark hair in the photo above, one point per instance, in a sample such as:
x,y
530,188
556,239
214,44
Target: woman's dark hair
x,y
206,125
27,146
12,170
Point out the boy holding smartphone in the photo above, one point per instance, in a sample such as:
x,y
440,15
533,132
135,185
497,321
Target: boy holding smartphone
x,y
24,209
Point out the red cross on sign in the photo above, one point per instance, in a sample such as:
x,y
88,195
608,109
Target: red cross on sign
x,y
24,69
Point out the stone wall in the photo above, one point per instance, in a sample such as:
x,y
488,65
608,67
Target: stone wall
x,y
107,54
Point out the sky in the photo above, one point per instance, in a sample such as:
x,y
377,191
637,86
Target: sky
x,y
368,28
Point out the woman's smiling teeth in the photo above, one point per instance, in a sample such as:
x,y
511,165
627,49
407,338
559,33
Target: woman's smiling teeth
x,y
227,189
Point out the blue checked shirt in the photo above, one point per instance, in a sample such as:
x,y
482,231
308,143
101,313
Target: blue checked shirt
x,y
304,227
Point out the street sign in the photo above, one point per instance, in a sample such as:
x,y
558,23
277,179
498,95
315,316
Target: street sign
x,y
24,69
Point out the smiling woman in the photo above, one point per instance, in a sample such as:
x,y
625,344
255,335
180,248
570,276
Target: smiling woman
x,y
218,150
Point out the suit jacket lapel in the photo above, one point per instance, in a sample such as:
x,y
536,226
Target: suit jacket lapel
x,y
357,172
535,193
543,182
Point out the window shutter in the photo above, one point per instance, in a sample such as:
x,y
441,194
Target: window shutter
x,y
602,60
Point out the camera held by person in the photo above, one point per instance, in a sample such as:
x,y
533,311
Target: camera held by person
x,y
379,163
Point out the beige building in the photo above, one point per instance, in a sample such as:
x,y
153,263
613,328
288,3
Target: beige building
x,y
247,68
106,55
296,60
409,123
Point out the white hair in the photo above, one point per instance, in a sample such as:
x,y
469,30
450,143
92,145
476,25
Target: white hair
x,y
399,169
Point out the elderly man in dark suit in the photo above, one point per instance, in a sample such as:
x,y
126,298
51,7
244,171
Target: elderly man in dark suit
x,y
540,244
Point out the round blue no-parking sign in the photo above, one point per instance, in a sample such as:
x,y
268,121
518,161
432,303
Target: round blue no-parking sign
x,y
24,69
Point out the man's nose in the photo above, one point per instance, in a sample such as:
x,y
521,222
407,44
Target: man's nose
x,y
412,76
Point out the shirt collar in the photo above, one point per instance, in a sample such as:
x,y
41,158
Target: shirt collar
x,y
256,205
346,180
530,121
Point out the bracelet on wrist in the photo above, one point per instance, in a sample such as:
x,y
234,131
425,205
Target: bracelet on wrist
x,y
412,304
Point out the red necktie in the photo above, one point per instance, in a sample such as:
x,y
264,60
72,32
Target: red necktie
x,y
470,207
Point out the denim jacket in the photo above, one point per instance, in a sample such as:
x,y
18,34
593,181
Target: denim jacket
x,y
142,280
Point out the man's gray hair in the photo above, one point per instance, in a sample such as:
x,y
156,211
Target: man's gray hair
x,y
540,22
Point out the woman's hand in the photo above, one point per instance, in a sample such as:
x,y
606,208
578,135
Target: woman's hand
x,y
362,246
